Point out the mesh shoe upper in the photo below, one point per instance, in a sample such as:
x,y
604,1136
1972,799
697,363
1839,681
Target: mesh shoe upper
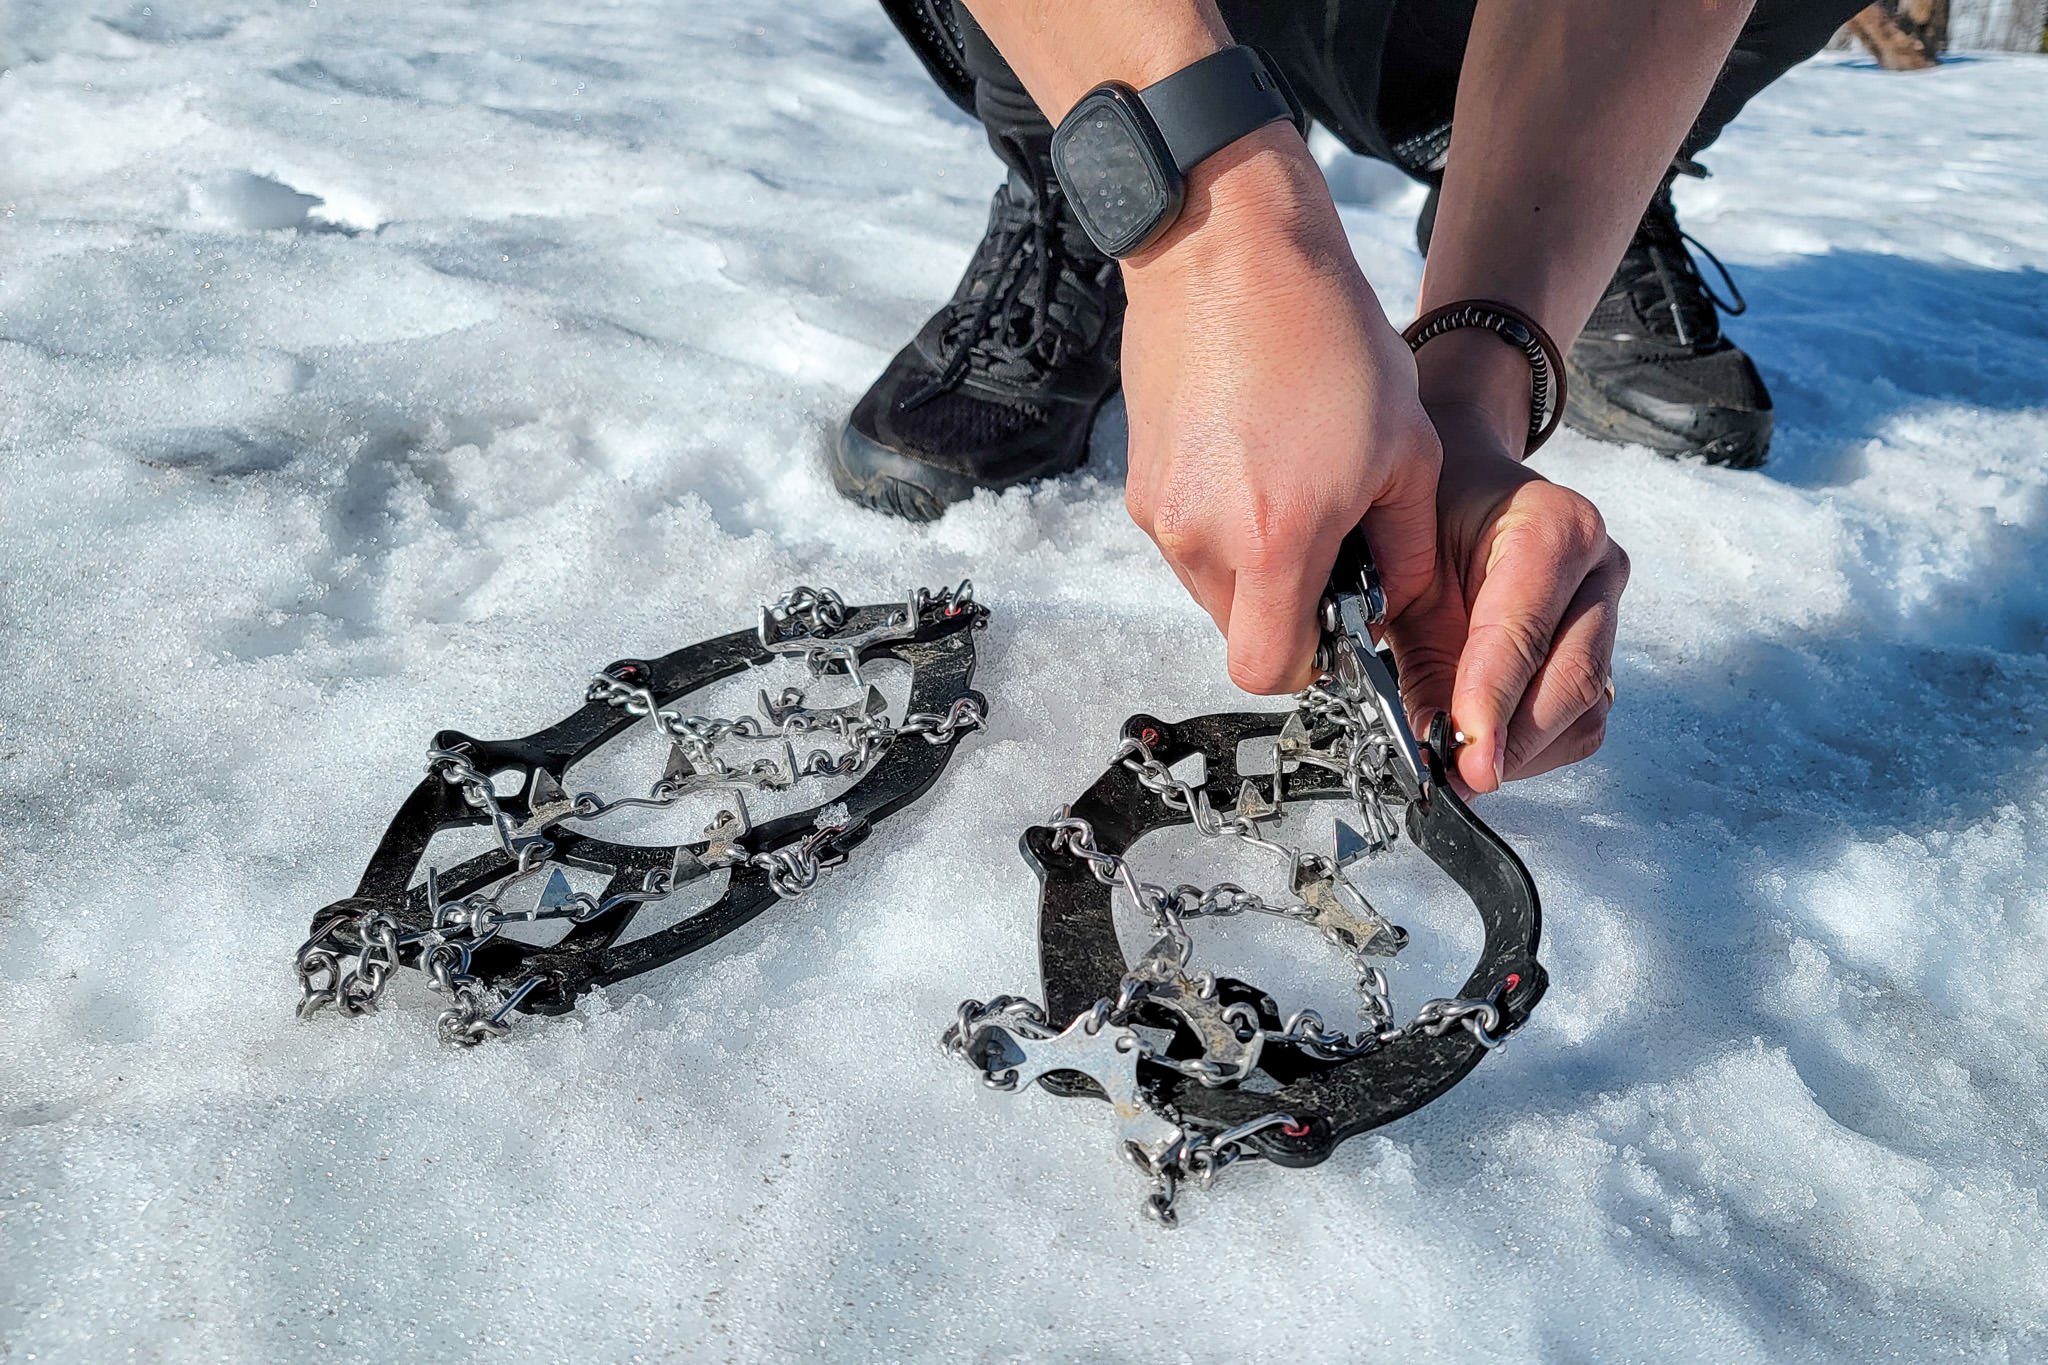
x,y
1652,364
1002,383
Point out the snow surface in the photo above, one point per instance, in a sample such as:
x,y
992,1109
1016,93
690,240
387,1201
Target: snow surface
x,y
375,367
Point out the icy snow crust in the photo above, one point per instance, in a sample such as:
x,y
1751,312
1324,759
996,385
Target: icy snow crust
x,y
376,367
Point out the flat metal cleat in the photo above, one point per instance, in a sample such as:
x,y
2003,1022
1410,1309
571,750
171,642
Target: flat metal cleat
x,y
1108,1056
789,714
1227,1057
1343,914
1252,805
722,836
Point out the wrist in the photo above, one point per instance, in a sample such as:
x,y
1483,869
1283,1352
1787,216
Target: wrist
x,y
1482,376
1255,201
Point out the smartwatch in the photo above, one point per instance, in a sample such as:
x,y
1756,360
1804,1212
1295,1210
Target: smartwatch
x,y
1123,155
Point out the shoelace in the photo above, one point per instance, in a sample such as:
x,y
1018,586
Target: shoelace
x,y
1687,295
1022,266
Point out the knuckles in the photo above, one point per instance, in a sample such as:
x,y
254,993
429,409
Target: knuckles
x,y
1586,742
1569,526
1579,683
1138,506
1245,532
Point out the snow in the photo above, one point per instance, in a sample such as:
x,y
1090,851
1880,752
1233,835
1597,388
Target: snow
x,y
372,368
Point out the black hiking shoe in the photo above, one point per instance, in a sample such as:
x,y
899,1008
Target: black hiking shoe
x,y
1002,385
1652,367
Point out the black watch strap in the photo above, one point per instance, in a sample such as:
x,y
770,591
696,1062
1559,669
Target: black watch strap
x,y
1204,107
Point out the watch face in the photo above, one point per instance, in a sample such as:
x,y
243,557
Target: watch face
x,y
1115,172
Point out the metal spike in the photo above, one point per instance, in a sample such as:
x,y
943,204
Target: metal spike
x,y
678,768
773,709
1252,803
726,830
1292,743
735,821
546,791
546,805
553,896
1351,845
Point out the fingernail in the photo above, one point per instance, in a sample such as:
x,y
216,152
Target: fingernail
x,y
1500,756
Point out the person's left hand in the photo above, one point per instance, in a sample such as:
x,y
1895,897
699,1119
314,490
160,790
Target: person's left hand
x,y
1515,635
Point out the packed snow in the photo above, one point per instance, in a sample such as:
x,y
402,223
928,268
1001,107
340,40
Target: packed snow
x,y
368,368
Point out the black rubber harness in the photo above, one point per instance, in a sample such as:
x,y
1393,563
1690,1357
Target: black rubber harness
x,y
1081,962
941,657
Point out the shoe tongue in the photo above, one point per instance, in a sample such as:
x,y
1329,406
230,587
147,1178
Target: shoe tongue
x,y
1669,294
1081,254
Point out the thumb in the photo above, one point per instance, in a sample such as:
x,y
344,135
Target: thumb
x,y
1426,638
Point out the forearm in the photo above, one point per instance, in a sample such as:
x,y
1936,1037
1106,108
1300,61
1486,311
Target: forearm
x,y
1568,114
1061,49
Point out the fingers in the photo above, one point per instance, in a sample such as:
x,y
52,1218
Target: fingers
x,y
1400,525
1426,639
1572,682
1578,741
1532,574
1212,593
1273,628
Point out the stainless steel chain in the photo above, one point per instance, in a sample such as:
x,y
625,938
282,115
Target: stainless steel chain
x,y
1010,1041
353,983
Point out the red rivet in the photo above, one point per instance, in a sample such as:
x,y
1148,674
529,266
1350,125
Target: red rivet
x,y
1514,980
1294,1130
1149,735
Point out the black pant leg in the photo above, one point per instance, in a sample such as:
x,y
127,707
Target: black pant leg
x,y
1017,130
1328,51
1383,74
1416,73
1780,34
1380,74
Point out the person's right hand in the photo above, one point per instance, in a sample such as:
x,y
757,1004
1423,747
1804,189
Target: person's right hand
x,y
1272,408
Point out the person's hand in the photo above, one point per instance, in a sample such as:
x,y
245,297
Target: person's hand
x,y
1515,636
1271,407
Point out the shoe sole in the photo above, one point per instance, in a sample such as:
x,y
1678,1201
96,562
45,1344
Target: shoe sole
x,y
889,481
1590,413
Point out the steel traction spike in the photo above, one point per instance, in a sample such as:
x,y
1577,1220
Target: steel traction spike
x,y
546,805
723,834
1252,803
546,791
556,894
678,769
1350,845
773,709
